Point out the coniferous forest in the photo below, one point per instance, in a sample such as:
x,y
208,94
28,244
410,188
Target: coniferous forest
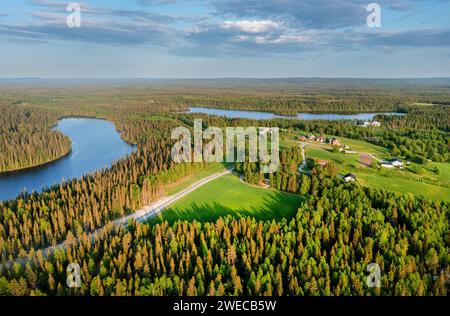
x,y
324,249
25,138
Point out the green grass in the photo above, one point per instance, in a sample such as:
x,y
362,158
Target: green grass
x,y
334,157
355,145
184,183
362,146
423,104
426,184
227,195
405,186
444,171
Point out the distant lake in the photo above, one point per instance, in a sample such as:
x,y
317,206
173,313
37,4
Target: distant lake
x,y
96,144
257,115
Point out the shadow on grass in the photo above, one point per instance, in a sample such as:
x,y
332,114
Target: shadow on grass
x,y
275,206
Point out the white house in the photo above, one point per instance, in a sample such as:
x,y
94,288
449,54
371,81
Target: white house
x,y
349,177
374,124
397,163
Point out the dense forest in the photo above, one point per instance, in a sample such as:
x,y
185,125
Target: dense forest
x,y
324,250
26,140
41,219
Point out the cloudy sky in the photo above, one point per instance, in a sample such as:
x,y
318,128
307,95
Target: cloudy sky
x,y
224,38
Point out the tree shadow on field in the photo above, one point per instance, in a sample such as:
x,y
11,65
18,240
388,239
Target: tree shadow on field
x,y
274,206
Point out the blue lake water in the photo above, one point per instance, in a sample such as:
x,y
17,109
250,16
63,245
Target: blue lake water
x,y
96,144
257,115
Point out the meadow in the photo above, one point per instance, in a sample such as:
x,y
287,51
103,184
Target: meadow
x,y
228,195
426,183
182,184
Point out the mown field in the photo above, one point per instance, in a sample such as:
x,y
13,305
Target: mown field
x,y
178,186
229,196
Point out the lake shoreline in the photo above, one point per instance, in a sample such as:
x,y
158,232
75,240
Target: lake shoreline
x,y
305,116
43,164
92,118
96,144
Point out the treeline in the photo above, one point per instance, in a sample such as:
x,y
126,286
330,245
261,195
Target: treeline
x,y
292,105
324,250
417,145
26,140
424,117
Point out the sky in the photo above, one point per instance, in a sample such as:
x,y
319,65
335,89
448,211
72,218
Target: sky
x,y
224,38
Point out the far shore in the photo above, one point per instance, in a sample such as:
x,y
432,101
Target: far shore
x,y
17,170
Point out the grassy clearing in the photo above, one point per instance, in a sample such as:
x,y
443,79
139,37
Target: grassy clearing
x,y
426,183
423,104
229,196
355,145
444,171
178,186
362,146
334,157
405,186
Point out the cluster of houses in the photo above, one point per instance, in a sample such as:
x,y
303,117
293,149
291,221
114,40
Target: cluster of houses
x,y
372,123
333,141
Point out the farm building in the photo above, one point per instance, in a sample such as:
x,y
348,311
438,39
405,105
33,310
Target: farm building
x,y
320,139
335,142
397,163
376,124
349,177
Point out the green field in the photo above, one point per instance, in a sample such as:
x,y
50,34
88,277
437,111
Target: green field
x,y
334,157
229,196
426,184
356,145
404,185
184,183
362,146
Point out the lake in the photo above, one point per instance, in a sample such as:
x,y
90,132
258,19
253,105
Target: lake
x,y
257,115
96,144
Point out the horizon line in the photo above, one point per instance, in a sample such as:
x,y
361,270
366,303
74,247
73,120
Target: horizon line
x,y
214,78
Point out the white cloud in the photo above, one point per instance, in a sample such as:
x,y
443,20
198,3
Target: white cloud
x,y
251,26
280,39
284,39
